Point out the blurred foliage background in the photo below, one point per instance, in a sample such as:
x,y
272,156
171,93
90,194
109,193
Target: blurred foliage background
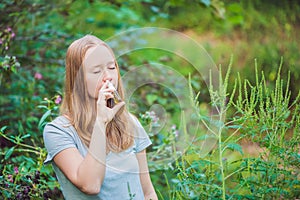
x,y
34,36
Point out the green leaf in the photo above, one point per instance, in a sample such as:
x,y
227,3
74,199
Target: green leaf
x,y
9,152
206,136
151,98
44,117
162,101
3,128
235,8
25,136
42,106
235,126
235,147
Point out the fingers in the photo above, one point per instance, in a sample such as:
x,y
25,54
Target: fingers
x,y
106,114
117,107
105,93
103,96
105,85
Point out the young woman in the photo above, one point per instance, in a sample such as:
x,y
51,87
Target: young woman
x,y
96,147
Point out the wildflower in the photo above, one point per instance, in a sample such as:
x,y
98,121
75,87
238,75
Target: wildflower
x,y
26,190
174,130
10,178
37,174
176,133
8,29
45,99
58,99
16,170
38,76
173,127
13,35
19,195
36,177
152,116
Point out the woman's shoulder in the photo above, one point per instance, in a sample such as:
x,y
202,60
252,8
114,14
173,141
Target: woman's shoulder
x,y
134,118
141,138
60,121
60,125
58,135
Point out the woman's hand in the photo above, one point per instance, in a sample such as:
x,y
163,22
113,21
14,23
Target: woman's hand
x,y
104,113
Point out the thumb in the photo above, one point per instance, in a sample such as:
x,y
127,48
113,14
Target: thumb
x,y
117,107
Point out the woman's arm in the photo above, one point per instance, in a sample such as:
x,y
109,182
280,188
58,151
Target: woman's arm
x,y
147,186
87,173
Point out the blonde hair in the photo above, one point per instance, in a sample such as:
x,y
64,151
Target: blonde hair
x,y
79,108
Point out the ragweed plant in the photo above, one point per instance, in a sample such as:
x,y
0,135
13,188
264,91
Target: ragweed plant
x,y
270,119
264,116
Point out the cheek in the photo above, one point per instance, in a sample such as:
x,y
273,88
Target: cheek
x,y
93,87
115,78
98,86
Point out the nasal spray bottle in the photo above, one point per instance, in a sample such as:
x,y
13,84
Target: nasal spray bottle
x,y
112,101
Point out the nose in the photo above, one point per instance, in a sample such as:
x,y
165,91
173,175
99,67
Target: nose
x,y
106,76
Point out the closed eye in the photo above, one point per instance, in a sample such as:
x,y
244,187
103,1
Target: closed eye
x,y
112,66
97,72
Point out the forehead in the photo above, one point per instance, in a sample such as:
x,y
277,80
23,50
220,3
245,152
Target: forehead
x,y
98,55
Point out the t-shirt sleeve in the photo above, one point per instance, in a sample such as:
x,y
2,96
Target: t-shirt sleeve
x,y
141,138
56,138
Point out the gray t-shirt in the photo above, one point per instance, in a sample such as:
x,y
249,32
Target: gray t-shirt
x,y
122,169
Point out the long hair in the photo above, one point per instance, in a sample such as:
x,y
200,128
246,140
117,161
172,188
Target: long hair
x,y
81,109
